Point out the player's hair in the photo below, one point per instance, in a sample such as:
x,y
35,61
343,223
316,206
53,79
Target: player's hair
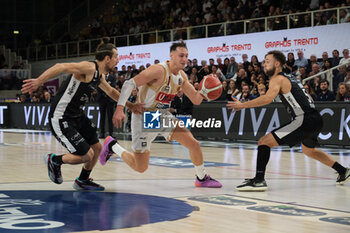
x,y
175,45
278,55
104,49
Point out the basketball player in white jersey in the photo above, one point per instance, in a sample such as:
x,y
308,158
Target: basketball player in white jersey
x,y
304,128
158,85
68,123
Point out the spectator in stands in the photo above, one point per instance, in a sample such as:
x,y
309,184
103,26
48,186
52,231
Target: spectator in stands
x,y
312,61
315,84
346,58
343,93
255,61
335,61
181,104
329,74
128,74
123,71
310,92
245,62
218,73
188,68
315,70
347,77
232,68
231,90
194,73
120,82
301,61
219,64
240,77
344,16
325,94
290,62
195,64
302,73
324,59
261,90
36,98
226,64
223,96
211,63
340,77
23,98
47,97
134,71
245,94
203,72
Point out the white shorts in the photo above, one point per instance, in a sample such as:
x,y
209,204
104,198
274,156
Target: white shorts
x,y
141,139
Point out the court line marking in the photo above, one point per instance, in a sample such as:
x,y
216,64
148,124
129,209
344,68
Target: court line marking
x,y
280,173
276,202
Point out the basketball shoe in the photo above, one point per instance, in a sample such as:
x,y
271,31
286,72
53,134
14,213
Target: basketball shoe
x,y
54,170
253,185
87,185
106,152
207,182
343,178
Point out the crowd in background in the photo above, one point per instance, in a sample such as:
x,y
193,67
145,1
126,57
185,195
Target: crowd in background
x,y
133,17
246,80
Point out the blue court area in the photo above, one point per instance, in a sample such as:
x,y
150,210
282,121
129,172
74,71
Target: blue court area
x,y
67,211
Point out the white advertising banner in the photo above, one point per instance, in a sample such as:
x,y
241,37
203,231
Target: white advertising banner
x,y
311,40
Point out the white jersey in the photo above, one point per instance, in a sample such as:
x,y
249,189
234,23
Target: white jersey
x,y
157,98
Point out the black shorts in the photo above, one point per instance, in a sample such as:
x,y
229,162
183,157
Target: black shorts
x,y
76,134
303,129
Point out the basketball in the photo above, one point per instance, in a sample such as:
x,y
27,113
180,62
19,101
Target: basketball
x,y
210,87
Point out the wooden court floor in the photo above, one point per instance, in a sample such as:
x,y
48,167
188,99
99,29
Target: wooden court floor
x,y
301,197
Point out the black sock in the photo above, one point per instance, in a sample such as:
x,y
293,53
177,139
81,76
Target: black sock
x,y
263,159
84,174
339,168
57,159
111,144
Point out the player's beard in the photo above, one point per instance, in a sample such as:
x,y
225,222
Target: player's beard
x,y
270,72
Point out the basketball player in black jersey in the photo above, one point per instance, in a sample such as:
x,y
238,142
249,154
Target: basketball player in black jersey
x,y
304,128
68,122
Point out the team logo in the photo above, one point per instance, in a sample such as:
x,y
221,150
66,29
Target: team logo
x,y
66,211
151,120
165,98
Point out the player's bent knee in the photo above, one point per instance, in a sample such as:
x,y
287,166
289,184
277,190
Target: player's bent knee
x,y
195,144
88,156
307,150
97,149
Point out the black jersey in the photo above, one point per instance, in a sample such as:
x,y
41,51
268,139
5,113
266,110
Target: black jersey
x,y
72,96
297,101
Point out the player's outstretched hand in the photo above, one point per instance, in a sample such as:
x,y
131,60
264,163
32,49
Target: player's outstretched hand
x,y
118,117
137,108
30,85
235,105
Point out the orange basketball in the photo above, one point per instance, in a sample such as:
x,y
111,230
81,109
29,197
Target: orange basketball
x,y
210,87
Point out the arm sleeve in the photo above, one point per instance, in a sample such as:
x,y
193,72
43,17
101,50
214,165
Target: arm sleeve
x,y
127,88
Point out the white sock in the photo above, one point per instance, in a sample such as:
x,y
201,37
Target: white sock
x,y
200,171
118,150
